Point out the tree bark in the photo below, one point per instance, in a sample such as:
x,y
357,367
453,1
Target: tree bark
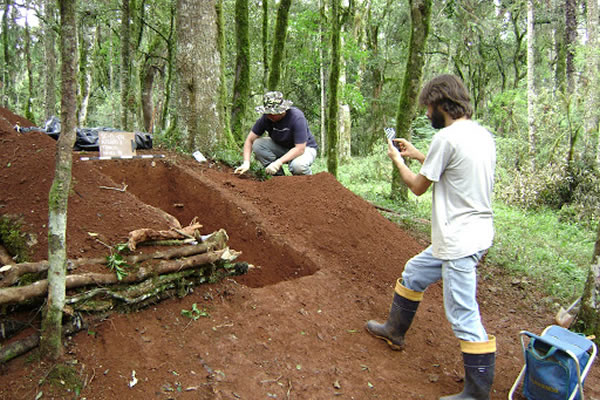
x,y
570,39
323,105
420,11
51,346
50,59
334,83
198,74
241,84
279,39
531,84
87,38
265,41
125,64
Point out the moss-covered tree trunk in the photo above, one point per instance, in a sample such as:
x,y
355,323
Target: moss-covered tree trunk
x,y
125,64
265,41
198,67
420,13
279,38
588,318
241,83
49,39
50,341
225,135
31,95
334,83
592,118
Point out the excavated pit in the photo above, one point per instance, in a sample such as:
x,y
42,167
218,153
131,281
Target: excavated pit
x,y
188,195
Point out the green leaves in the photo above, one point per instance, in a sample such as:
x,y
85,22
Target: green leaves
x,y
195,313
116,262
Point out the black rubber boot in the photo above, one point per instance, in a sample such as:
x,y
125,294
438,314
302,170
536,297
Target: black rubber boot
x,y
479,376
401,315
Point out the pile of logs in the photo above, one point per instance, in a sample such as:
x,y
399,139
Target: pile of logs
x,y
190,260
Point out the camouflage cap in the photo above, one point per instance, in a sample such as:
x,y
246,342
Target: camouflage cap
x,y
273,103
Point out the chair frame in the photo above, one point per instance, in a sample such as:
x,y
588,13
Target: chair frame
x,y
580,374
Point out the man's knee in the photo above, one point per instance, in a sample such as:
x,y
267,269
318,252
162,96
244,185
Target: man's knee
x,y
300,168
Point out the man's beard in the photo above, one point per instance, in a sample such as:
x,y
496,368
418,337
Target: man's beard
x,y
437,119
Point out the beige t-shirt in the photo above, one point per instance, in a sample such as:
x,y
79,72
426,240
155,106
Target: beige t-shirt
x,y
461,162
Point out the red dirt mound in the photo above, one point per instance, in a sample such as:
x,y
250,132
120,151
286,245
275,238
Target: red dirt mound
x,y
325,261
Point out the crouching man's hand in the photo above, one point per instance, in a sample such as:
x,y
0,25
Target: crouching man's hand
x,y
273,167
242,168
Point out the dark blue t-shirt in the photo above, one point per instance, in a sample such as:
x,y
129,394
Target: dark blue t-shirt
x,y
287,132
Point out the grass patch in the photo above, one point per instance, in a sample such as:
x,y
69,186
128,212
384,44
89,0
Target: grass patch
x,y
553,254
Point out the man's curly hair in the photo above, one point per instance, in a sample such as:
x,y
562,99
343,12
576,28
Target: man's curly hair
x,y
449,93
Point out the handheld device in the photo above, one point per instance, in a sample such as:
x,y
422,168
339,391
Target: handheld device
x,y
390,133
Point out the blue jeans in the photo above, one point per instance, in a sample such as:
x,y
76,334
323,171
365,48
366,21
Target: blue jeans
x,y
267,151
459,279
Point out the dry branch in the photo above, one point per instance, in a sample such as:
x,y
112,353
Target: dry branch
x,y
39,288
147,234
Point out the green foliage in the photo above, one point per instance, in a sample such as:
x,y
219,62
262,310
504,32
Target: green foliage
x,y
116,262
13,238
64,377
195,313
538,243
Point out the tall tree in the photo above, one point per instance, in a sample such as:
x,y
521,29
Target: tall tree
x,y
241,83
49,39
420,14
125,64
51,337
226,136
198,74
322,82
570,38
30,92
531,84
279,39
592,88
334,83
265,41
87,39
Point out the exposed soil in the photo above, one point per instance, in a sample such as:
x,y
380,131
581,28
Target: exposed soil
x,y
325,261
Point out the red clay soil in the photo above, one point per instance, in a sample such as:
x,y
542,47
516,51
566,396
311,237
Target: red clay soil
x,y
325,261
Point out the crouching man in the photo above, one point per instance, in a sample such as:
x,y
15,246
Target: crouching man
x,y
290,140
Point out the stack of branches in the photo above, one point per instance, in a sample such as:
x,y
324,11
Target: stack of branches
x,y
137,281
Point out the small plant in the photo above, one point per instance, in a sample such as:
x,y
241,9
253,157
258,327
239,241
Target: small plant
x,y
116,262
195,313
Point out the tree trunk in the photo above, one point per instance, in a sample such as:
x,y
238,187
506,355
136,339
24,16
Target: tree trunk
x,y
560,61
7,59
420,11
241,84
87,38
531,86
198,74
51,345
570,39
592,119
125,64
265,41
50,59
279,43
323,105
334,83
225,136
30,94
588,318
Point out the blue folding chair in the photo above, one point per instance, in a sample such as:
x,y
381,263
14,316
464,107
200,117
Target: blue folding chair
x,y
556,364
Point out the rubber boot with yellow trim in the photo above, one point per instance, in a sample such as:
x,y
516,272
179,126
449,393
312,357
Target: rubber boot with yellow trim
x,y
402,312
479,359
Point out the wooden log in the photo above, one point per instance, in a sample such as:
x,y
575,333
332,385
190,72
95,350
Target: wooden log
x,y
11,273
5,257
146,234
20,347
40,288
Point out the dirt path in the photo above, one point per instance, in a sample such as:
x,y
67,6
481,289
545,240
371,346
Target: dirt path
x,y
325,262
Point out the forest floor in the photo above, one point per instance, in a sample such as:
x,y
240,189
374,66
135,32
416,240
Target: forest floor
x,y
325,261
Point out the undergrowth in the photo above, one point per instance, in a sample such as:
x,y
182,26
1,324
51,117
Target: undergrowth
x,y
541,246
